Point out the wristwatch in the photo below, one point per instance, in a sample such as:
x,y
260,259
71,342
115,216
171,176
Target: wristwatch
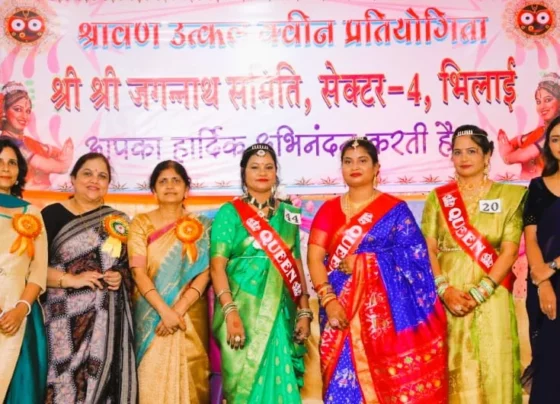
x,y
553,265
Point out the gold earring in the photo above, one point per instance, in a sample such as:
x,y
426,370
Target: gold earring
x,y
486,171
375,181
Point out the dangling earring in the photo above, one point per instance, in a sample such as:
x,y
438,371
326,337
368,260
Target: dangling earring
x,y
486,171
17,182
273,191
456,176
375,181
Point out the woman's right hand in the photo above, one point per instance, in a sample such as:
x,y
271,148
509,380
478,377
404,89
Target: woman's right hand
x,y
459,303
170,322
337,315
87,279
547,300
235,331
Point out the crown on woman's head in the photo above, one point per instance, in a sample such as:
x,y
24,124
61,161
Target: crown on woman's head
x,y
469,132
261,148
13,87
551,78
356,140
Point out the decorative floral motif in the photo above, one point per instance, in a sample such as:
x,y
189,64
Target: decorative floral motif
x,y
117,230
189,230
28,228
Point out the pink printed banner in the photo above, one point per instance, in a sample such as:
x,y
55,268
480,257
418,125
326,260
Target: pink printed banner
x,y
199,81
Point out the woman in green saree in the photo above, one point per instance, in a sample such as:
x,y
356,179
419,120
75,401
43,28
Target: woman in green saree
x,y
256,271
168,253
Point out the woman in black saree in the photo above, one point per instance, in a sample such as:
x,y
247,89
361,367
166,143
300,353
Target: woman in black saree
x,y
542,235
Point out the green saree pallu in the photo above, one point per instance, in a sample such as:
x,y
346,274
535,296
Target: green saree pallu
x,y
29,382
269,369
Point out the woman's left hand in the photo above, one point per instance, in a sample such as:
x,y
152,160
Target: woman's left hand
x,y
302,330
12,319
113,279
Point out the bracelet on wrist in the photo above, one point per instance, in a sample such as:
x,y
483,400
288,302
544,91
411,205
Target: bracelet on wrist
x,y
222,292
441,289
440,280
196,290
27,304
304,313
60,280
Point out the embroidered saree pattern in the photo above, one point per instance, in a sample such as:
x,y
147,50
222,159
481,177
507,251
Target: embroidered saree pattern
x,y
394,347
270,367
179,362
484,362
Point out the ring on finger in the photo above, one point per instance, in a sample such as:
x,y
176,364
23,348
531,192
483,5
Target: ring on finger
x,y
334,322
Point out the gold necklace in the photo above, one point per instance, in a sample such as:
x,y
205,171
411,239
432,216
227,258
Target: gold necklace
x,y
471,199
350,208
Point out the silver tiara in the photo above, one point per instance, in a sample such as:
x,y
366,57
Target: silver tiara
x,y
355,140
260,146
551,78
468,132
14,87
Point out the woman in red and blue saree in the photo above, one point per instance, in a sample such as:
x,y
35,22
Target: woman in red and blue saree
x,y
382,326
87,306
23,276
263,317
168,250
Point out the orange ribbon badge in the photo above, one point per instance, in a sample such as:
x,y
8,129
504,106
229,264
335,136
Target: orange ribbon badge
x,y
28,228
188,230
117,229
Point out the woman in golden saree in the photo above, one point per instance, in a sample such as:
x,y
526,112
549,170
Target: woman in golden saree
x,y
168,250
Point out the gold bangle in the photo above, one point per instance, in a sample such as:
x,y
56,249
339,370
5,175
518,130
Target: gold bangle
x,y
195,289
60,280
327,299
151,290
222,292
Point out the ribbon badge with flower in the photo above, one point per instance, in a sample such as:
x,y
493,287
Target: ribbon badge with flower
x,y
28,227
189,230
117,229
